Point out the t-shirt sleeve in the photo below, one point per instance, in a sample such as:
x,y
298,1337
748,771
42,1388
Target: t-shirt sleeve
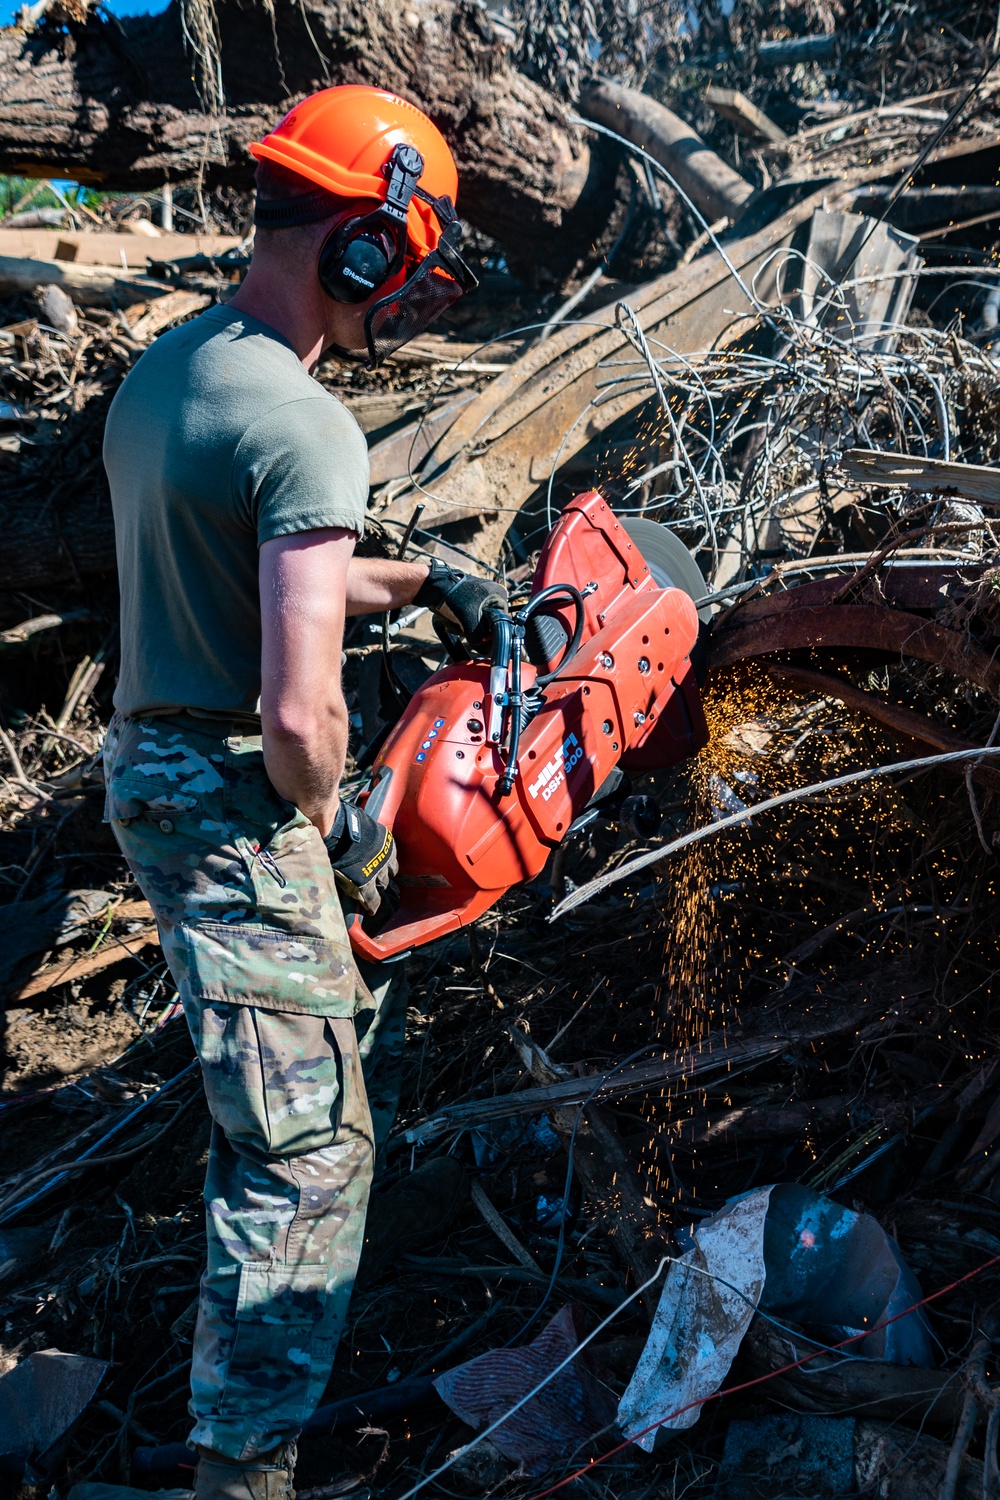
x,y
300,467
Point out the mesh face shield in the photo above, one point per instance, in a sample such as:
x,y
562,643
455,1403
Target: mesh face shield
x,y
436,284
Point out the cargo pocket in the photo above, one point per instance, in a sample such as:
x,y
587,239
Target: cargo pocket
x,y
129,799
280,1336
240,963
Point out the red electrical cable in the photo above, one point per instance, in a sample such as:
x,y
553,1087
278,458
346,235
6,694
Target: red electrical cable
x,y
760,1379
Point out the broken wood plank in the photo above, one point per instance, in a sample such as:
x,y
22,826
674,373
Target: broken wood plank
x,y
748,119
942,98
165,311
403,452
928,476
96,248
133,910
492,1217
114,951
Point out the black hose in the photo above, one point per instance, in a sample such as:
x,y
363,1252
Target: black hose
x,y
564,591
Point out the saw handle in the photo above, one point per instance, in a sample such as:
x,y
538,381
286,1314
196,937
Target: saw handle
x,y
514,698
566,592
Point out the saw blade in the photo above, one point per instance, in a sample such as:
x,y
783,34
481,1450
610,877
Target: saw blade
x,y
670,562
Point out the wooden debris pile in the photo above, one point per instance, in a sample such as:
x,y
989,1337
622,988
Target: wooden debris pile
x,y
801,992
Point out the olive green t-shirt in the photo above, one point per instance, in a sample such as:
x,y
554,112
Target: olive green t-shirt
x,y
217,441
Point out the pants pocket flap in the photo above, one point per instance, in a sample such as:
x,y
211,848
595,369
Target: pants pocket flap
x,y
281,1294
235,963
123,800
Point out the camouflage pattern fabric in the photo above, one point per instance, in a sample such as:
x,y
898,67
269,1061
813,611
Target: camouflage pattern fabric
x,y
239,880
251,926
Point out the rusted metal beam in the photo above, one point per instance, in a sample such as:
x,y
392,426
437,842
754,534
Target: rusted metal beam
x,y
906,587
857,627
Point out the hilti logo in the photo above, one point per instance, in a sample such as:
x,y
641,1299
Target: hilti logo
x,y
554,772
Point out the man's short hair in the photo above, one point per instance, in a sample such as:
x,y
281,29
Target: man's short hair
x,y
275,181
281,186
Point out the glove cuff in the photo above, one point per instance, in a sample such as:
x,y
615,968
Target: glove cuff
x,y
346,831
437,585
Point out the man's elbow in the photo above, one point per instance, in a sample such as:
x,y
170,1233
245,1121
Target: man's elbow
x,y
302,724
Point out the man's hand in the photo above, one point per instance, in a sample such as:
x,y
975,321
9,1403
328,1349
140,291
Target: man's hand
x,y
461,599
363,855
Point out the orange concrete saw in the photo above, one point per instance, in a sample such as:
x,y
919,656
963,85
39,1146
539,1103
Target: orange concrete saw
x,y
493,762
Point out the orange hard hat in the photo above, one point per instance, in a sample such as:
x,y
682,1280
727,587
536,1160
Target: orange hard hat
x,y
341,139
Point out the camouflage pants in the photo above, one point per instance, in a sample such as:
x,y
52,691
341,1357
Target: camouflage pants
x,y
252,929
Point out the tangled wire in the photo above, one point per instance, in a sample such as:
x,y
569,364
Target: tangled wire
x,y
742,446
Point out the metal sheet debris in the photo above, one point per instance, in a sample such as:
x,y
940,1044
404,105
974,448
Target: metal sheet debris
x,y
40,1399
567,1417
791,1253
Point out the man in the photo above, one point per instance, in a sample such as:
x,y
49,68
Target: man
x,y
239,488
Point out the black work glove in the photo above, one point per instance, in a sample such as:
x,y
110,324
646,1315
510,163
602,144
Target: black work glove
x,y
461,598
363,855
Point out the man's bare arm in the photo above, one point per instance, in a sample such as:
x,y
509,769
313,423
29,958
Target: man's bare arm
x,y
303,594
375,584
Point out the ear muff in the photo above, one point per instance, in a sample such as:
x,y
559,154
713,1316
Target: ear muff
x,y
357,258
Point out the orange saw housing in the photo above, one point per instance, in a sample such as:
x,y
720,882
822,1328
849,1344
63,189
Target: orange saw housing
x,y
627,697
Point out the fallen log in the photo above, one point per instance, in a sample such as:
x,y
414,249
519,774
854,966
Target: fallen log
x,y
713,186
93,286
76,102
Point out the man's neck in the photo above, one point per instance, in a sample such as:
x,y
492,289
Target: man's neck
x,y
296,320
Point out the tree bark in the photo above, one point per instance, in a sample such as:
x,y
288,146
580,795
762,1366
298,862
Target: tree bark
x,y
62,542
115,102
